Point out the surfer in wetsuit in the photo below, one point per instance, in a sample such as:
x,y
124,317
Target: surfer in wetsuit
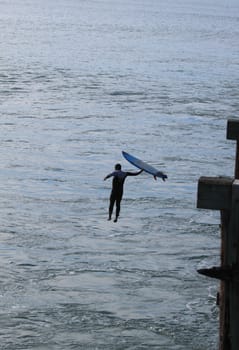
x,y
119,177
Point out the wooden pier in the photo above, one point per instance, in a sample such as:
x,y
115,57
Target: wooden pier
x,y
222,193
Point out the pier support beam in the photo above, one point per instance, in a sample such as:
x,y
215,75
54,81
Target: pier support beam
x,y
221,193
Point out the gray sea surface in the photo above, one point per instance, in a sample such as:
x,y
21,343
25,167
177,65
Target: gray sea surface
x,y
80,81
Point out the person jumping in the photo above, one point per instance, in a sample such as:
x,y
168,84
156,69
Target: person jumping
x,y
116,195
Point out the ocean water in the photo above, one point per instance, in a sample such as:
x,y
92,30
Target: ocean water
x,y
80,81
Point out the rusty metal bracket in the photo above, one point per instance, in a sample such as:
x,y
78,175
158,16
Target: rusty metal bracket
x,y
221,273
224,273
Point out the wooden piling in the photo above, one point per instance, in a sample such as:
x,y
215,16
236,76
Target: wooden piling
x,y
221,193
224,340
233,134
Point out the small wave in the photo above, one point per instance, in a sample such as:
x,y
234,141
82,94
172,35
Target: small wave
x,y
126,93
54,169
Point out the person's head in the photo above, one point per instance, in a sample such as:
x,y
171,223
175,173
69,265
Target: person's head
x,y
117,166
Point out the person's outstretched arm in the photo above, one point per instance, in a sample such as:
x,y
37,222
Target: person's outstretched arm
x,y
108,176
135,173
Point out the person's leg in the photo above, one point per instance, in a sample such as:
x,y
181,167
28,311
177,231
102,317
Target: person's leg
x,y
118,201
111,207
117,210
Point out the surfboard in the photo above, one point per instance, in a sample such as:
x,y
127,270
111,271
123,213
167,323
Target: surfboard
x,y
144,166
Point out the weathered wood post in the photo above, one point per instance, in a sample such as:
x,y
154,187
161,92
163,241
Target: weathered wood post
x,y
221,193
233,134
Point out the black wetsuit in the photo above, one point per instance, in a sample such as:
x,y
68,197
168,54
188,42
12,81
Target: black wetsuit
x,y
119,177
